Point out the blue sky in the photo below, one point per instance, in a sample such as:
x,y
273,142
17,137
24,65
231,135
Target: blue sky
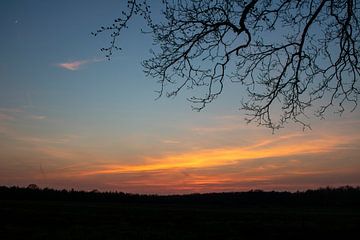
x,y
69,118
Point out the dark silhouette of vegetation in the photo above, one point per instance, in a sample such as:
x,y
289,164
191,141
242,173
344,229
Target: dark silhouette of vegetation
x,y
342,196
34,213
289,55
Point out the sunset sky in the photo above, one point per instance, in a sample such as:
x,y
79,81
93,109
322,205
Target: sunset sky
x,y
69,118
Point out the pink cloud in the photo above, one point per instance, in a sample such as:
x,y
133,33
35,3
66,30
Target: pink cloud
x,y
75,65
5,117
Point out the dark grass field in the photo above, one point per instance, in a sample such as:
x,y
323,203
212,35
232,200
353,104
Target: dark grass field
x,y
146,217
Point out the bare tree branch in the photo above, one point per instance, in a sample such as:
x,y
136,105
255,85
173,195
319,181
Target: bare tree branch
x,y
289,55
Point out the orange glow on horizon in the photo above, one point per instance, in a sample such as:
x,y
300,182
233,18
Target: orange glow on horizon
x,y
220,156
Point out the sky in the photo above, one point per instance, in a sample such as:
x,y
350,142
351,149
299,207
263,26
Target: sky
x,y
69,118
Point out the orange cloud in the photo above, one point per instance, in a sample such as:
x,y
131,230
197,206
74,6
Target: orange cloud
x,y
290,146
288,161
75,65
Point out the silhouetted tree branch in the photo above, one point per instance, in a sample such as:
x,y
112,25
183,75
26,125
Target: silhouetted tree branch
x,y
289,54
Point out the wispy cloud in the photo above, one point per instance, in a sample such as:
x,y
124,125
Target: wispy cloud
x,y
75,65
198,159
11,114
38,117
11,110
8,114
170,141
5,117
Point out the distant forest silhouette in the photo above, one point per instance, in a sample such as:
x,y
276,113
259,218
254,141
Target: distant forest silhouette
x,y
340,196
34,213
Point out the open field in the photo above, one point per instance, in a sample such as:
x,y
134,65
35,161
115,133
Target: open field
x,y
173,219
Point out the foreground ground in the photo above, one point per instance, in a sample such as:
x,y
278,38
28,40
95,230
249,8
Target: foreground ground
x,y
54,219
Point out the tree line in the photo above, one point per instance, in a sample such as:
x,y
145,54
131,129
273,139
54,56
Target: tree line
x,y
340,196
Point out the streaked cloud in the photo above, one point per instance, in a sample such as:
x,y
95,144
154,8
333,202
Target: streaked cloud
x,y
14,114
38,117
170,141
205,158
11,110
75,65
186,163
5,117
8,114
